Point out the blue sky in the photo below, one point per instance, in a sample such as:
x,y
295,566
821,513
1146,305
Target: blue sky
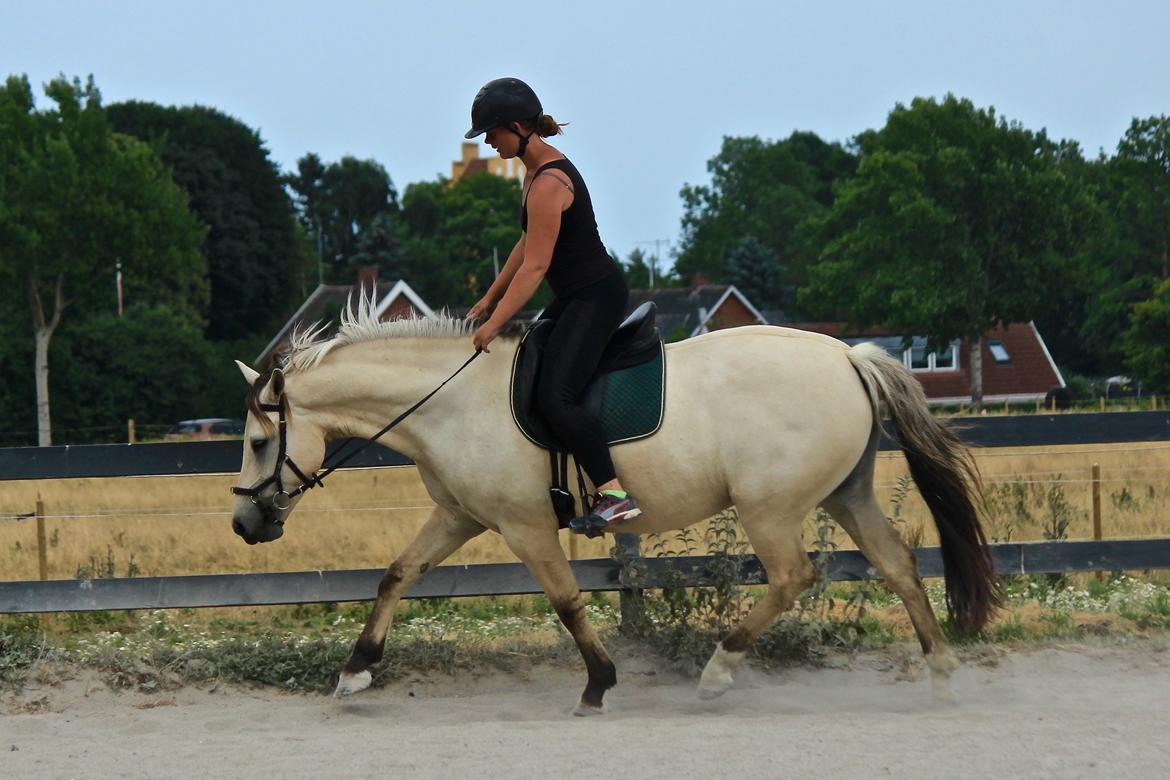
x,y
650,87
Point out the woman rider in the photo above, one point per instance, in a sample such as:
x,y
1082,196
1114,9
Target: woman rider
x,y
559,243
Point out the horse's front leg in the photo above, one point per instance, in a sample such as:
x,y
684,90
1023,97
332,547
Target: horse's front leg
x,y
443,534
540,551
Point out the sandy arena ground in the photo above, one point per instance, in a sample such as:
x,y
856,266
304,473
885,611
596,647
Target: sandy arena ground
x,y
1062,711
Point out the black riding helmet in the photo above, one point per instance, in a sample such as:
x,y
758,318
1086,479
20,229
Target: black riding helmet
x,y
501,102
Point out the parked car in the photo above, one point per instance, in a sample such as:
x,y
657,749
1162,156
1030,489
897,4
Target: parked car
x,y
205,429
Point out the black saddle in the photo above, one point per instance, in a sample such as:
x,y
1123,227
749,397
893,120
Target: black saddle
x,y
626,394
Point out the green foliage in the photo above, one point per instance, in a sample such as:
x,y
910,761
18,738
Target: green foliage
x,y
78,198
452,230
350,211
150,365
1147,342
956,220
765,189
758,275
235,190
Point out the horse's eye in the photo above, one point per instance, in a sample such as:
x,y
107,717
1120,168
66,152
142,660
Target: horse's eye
x,y
258,444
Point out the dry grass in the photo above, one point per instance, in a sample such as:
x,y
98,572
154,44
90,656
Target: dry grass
x,y
180,525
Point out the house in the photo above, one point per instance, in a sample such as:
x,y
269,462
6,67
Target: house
x,y
394,301
685,312
1016,363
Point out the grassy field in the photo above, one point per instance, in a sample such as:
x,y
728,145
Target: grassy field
x,y
180,525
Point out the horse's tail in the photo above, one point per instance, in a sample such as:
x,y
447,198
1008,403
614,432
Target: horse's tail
x,y
948,480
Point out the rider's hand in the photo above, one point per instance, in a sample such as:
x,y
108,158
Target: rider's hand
x,y
482,309
484,335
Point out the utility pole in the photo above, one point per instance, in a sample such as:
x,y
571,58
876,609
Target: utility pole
x,y
118,283
653,266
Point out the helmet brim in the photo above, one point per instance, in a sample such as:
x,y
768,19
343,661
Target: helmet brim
x,y
473,132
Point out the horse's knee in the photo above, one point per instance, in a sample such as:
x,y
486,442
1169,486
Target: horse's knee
x,y
390,580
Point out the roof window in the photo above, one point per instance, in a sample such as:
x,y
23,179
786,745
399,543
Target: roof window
x,y
998,352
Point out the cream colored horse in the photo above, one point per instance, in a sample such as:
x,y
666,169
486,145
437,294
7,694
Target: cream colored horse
x,y
771,420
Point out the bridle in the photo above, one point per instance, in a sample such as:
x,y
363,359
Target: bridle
x,y
318,478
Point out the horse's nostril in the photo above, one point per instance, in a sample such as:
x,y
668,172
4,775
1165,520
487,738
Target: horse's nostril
x,y
238,527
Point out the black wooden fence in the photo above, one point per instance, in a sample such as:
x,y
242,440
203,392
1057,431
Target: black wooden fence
x,y
505,579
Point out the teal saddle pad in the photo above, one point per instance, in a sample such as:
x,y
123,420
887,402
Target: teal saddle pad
x,y
627,395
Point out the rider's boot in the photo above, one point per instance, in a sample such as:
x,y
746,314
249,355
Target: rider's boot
x,y
610,507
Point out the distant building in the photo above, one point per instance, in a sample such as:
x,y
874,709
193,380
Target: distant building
x,y
684,312
471,162
394,301
1016,363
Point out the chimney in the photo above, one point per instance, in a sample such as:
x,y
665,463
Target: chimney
x,y
368,278
699,280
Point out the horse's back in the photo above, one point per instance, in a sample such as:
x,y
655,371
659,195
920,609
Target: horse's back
x,y
768,400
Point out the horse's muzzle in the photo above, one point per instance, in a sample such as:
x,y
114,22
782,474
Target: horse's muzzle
x,y
266,532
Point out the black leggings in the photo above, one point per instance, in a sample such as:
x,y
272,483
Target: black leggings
x,y
585,321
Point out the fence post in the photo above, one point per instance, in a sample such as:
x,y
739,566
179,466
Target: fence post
x,y
631,598
1097,506
1154,402
42,545
1102,402
131,433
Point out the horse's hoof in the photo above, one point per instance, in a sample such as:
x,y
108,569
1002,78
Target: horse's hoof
x,y
713,692
719,673
351,683
583,710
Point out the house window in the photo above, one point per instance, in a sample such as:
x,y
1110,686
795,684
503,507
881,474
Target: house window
x,y
917,358
945,360
998,352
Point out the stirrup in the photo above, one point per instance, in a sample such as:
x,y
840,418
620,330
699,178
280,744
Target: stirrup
x,y
590,525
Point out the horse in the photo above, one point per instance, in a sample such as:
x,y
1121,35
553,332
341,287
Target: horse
x,y
770,420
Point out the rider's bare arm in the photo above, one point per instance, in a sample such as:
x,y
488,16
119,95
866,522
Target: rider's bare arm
x,y
546,200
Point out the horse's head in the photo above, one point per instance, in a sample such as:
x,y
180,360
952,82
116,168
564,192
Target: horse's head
x,y
282,452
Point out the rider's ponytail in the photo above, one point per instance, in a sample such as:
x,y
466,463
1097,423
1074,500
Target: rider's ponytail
x,y
547,126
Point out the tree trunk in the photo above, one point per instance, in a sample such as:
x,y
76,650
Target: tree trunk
x,y
44,421
976,362
44,332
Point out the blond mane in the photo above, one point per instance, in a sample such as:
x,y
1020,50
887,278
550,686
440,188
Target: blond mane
x,y
308,346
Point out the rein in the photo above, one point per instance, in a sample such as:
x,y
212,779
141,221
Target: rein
x,y
318,478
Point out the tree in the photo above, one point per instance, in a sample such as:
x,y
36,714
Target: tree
x,y
251,246
1147,342
637,270
150,364
337,203
452,230
77,199
757,273
956,220
1139,175
765,189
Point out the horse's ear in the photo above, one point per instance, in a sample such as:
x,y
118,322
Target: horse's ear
x,y
277,383
250,374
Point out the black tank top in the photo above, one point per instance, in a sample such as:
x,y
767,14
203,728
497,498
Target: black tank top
x,y
579,258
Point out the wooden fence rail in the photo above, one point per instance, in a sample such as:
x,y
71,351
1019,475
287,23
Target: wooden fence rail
x,y
497,579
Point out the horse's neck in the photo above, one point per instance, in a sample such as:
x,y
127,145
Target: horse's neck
x,y
358,389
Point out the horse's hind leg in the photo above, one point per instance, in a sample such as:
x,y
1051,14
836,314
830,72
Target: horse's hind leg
x,y
856,508
541,552
443,534
777,543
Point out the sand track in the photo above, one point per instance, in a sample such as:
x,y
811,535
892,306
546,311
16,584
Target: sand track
x,y
1075,710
